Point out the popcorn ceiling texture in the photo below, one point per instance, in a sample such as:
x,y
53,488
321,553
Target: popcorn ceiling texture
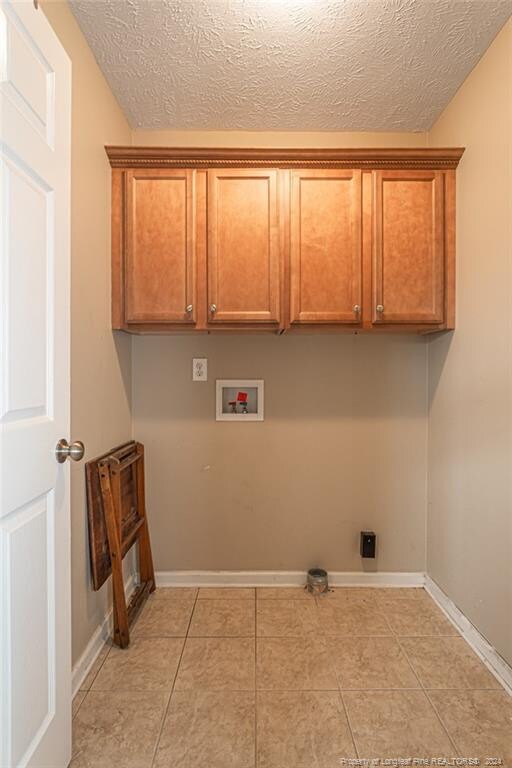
x,y
319,65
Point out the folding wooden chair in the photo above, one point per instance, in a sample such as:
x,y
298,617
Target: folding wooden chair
x,y
117,521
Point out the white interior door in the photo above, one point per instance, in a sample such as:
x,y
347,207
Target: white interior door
x,y
35,672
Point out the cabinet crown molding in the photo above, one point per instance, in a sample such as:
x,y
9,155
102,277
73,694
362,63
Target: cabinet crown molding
x,y
420,158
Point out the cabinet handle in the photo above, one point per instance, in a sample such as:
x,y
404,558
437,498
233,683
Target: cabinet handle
x,y
189,308
357,309
213,308
380,309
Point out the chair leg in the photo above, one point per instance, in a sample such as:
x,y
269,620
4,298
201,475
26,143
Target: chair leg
x,y
121,626
147,573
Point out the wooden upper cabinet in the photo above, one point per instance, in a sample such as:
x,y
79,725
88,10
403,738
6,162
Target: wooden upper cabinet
x,y
408,255
325,246
160,261
243,252
216,240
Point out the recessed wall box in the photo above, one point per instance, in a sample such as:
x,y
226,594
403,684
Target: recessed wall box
x,y
368,542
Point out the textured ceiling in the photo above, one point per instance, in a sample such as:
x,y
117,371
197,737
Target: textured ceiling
x,y
353,65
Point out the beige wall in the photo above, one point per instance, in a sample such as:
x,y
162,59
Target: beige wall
x,y
100,362
470,373
277,139
342,448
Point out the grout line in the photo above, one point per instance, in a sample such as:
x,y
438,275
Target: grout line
x,y
220,637
340,692
110,646
86,693
298,690
351,690
166,708
358,755
425,691
312,634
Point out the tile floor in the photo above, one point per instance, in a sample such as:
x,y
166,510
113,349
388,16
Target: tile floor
x,y
273,678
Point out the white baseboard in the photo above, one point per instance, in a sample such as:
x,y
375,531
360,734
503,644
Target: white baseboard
x,y
491,658
284,579
97,641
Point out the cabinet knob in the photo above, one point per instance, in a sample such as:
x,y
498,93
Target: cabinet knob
x,y
213,308
189,308
357,309
380,308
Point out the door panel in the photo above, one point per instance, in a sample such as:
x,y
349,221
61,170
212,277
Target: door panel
x,y
29,259
27,546
408,268
326,258
243,246
35,648
160,247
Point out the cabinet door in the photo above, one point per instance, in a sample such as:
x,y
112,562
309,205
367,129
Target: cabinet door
x,y
160,249
325,244
243,246
408,265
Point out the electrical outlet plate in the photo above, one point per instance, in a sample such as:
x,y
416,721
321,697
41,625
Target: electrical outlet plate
x,y
200,369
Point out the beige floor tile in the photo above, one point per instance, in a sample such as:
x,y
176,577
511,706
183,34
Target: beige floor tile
x,y
349,593
210,663
294,664
227,593
302,730
208,729
351,617
286,618
164,618
283,593
416,618
223,618
447,662
77,702
370,662
149,664
376,593
479,722
117,729
396,724
422,594
397,593
174,593
89,679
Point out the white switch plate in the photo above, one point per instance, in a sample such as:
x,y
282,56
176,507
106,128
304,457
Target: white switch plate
x,y
200,369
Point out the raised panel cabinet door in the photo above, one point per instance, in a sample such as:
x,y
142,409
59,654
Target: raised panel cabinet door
x,y
408,263
243,246
160,266
325,246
